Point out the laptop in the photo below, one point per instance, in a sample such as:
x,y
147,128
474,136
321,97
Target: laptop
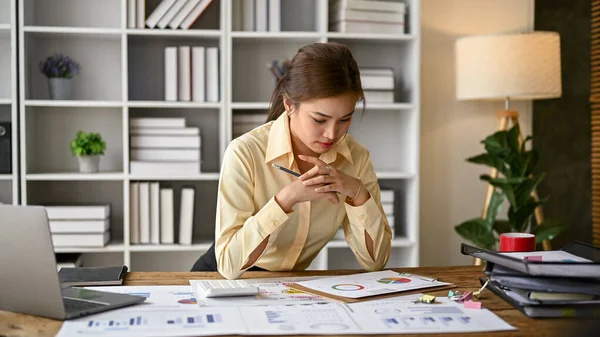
x,y
28,273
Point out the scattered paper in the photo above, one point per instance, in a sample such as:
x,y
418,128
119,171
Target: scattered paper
x,y
369,284
170,311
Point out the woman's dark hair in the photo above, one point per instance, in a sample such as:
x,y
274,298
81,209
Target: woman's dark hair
x,y
318,70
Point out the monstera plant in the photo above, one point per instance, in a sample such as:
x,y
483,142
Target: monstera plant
x,y
515,182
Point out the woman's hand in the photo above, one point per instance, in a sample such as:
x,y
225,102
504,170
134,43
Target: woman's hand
x,y
324,178
297,192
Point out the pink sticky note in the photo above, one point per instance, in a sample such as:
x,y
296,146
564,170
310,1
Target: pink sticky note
x,y
473,305
534,258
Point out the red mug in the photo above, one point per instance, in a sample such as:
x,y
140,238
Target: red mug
x,y
517,242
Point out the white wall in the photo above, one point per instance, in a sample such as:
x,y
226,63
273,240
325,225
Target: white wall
x,y
451,131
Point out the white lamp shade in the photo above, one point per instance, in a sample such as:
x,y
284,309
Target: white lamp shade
x,y
518,66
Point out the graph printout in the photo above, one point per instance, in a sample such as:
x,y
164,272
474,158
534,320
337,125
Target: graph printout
x,y
170,311
369,284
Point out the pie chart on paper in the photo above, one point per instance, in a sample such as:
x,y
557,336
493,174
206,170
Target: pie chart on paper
x,y
394,280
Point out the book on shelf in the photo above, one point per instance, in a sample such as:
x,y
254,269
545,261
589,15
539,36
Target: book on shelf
x,y
167,220
176,14
162,146
156,122
134,214
158,13
131,14
170,13
154,213
140,13
260,15
94,240
198,74
184,68
194,14
144,211
79,226
77,212
371,17
171,79
185,11
186,216
191,73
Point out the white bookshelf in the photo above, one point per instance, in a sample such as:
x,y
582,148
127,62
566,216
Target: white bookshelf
x,y
9,181
122,77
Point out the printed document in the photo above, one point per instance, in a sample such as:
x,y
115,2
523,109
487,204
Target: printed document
x,y
172,311
369,284
168,311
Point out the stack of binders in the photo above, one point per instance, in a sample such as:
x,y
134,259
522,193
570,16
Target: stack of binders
x,y
559,283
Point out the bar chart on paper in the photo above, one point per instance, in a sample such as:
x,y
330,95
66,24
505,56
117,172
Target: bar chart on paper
x,y
131,323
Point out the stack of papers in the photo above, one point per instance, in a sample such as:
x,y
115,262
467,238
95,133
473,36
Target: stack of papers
x,y
174,311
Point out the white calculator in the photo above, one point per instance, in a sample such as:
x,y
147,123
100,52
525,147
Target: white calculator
x,y
224,288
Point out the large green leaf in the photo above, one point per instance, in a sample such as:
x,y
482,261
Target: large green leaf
x,y
504,185
524,190
493,209
548,230
496,144
475,231
491,161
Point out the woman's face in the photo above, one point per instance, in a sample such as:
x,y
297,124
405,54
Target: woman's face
x,y
316,125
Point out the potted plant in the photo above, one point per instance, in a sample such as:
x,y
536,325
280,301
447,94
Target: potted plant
x,y
88,147
59,69
515,182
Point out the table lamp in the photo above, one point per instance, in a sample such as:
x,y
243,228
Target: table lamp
x,y
507,67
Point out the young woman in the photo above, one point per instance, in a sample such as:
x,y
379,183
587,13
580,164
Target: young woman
x,y
269,219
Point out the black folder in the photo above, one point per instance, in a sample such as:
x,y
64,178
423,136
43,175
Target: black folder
x,y
499,263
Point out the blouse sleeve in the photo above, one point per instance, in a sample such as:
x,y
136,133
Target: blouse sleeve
x,y
369,218
240,228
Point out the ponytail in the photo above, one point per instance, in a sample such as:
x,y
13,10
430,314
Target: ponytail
x,y
317,70
276,106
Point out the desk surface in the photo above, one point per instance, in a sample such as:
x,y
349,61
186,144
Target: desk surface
x,y
464,277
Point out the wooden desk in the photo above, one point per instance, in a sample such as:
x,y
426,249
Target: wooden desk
x,y
464,277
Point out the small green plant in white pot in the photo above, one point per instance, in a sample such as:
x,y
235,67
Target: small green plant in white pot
x,y
59,69
88,147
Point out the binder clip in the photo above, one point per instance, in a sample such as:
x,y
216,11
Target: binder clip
x,y
429,299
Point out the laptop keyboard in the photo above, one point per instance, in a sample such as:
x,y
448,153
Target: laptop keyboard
x,y
76,305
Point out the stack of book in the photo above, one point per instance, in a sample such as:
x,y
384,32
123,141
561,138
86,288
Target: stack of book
x,y
243,123
152,215
173,14
163,146
558,283
192,74
367,16
79,225
258,15
378,84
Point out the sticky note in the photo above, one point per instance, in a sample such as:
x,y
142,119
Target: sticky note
x,y
476,294
473,305
450,293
